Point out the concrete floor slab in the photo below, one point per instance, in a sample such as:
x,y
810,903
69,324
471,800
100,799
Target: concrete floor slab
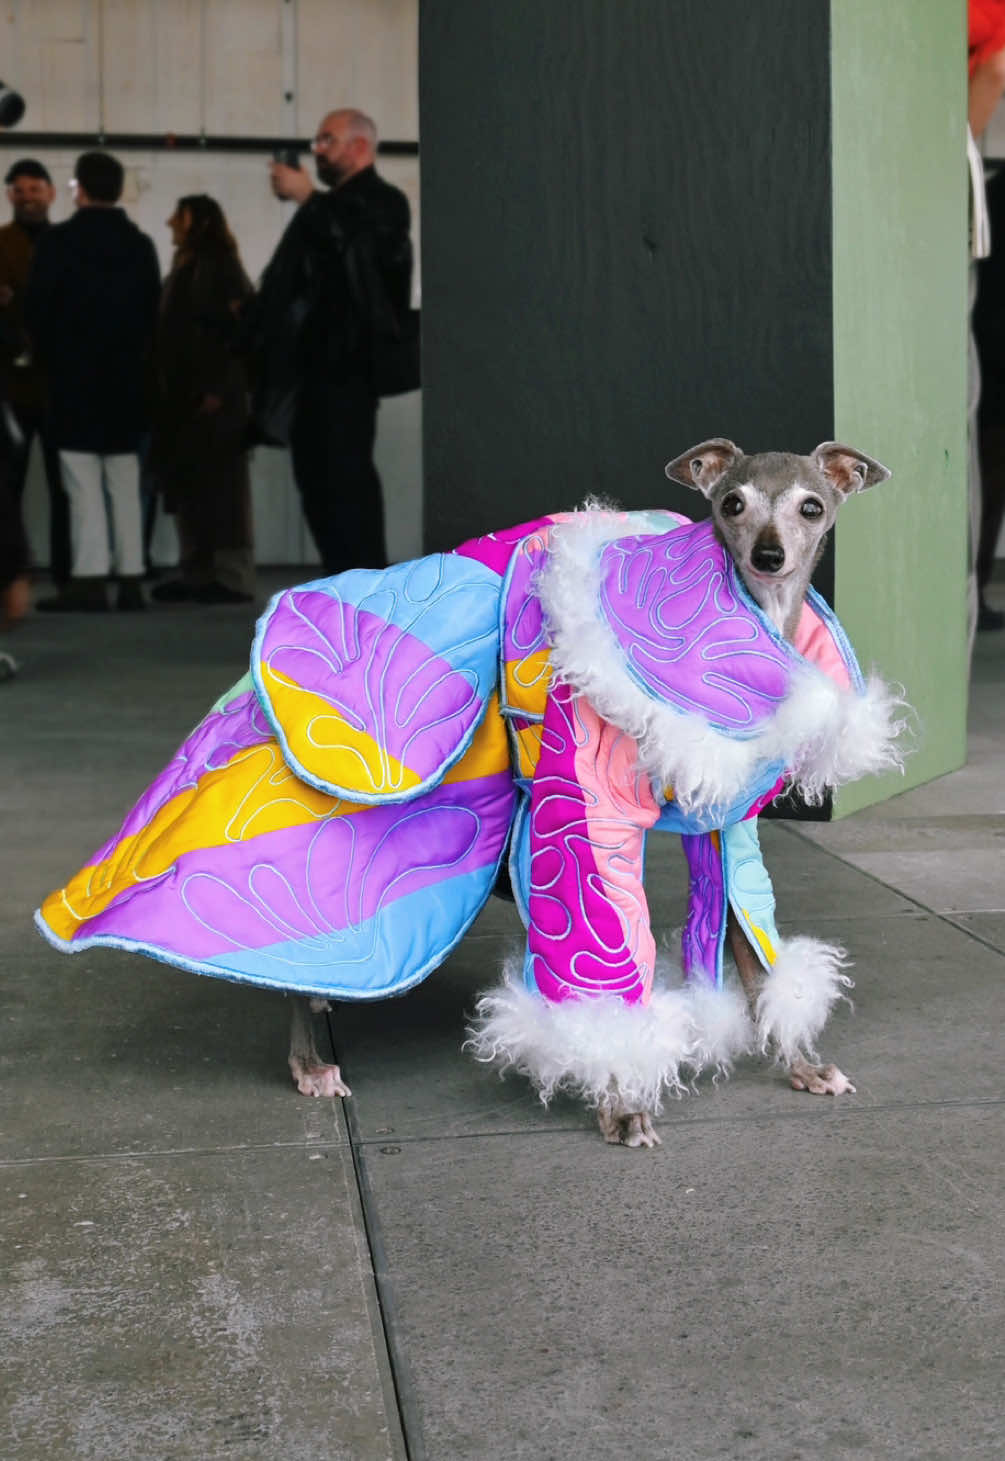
x,y
987,926
105,1052
770,1291
918,980
204,1307
950,881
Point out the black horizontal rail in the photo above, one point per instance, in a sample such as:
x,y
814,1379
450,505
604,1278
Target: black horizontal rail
x,y
173,142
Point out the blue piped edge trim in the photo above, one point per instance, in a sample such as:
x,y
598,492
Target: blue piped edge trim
x,y
231,976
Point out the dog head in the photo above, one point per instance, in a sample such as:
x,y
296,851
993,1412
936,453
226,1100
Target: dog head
x,y
772,511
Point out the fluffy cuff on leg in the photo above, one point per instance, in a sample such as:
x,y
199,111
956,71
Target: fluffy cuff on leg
x,y
799,993
603,1049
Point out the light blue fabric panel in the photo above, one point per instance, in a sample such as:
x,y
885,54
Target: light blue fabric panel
x,y
748,885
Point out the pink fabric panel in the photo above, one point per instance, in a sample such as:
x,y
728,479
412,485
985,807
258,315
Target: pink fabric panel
x,y
815,642
589,930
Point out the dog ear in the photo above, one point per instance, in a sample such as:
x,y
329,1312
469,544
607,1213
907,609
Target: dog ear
x,y
847,469
703,465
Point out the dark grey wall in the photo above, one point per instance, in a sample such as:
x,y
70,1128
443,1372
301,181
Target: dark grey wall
x,y
626,246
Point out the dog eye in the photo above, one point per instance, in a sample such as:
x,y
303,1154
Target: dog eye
x,y
732,505
812,508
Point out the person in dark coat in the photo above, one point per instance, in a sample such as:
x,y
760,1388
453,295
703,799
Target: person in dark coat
x,y
989,334
91,310
199,453
312,330
30,193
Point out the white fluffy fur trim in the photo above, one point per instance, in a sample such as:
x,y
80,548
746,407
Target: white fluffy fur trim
x,y
825,734
799,993
597,1048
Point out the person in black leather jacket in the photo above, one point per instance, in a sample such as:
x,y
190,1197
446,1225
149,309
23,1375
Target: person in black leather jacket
x,y
310,332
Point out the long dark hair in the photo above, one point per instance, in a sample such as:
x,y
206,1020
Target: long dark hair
x,y
208,235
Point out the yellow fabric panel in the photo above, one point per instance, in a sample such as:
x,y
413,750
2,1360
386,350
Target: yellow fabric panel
x,y
328,747
528,747
488,752
761,937
527,682
254,793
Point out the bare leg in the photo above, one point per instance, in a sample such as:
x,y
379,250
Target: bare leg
x,y
312,1075
820,1080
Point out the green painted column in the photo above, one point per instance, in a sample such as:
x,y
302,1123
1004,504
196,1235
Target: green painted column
x,y
900,349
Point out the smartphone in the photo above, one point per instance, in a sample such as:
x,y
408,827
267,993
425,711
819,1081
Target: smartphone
x,y
288,156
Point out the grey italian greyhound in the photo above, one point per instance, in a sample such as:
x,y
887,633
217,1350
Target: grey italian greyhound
x,y
772,512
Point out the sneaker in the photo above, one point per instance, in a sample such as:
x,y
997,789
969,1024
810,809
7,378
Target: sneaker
x,y
8,666
81,595
173,591
219,593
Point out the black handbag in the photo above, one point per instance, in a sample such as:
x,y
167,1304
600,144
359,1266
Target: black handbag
x,y
395,338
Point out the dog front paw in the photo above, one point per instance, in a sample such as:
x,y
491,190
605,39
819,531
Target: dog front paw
x,y
633,1128
819,1080
318,1080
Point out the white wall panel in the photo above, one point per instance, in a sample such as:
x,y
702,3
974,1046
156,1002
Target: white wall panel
x,y
244,70
152,65
51,58
359,53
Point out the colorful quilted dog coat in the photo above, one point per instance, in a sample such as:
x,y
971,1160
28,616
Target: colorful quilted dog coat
x,y
547,696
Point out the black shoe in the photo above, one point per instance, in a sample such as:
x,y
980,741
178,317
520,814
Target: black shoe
x,y
174,591
81,595
130,596
219,593
988,618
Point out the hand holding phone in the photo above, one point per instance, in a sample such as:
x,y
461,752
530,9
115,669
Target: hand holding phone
x,y
289,180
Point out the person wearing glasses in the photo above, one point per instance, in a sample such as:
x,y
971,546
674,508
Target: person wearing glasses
x,y
310,333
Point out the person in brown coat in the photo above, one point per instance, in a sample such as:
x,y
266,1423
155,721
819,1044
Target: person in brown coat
x,y
199,450
30,193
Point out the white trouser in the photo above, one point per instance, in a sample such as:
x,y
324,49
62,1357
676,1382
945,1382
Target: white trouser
x,y
105,519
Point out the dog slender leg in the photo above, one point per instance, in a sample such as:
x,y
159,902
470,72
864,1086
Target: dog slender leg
x,y
627,1128
819,1080
312,1075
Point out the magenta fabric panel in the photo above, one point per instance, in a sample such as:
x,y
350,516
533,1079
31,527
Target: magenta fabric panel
x,y
588,928
496,549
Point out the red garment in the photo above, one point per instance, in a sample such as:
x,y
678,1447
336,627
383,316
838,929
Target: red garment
x,y
986,31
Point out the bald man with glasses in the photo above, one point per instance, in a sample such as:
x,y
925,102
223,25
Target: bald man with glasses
x,y
311,330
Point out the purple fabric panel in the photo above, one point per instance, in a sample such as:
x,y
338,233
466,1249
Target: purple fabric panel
x,y
308,882
379,678
496,549
586,841
523,627
211,745
706,908
672,601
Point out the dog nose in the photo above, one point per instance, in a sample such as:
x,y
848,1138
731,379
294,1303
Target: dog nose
x,y
768,557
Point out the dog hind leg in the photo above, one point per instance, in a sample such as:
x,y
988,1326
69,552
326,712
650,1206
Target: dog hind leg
x,y
312,1075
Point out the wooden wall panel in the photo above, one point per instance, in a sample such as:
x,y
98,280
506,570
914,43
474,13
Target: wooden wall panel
x,y
626,246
